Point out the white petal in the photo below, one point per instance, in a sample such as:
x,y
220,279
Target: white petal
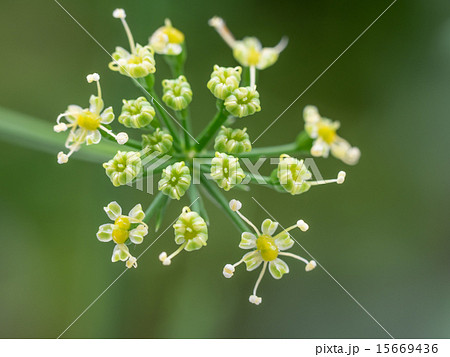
x,y
93,137
113,210
278,268
248,241
284,241
252,260
269,227
120,252
137,213
137,235
104,233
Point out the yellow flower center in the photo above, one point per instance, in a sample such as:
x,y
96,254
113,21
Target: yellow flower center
x,y
253,56
174,35
135,60
88,120
327,133
120,234
266,245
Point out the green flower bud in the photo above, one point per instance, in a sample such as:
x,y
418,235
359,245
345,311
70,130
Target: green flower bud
x,y
177,93
138,64
175,180
226,171
191,229
124,167
136,113
232,141
242,102
224,80
293,175
160,141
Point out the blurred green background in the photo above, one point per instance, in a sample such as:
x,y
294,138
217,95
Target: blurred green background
x,y
384,234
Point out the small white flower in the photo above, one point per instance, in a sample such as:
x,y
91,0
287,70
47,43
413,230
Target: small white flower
x,y
265,249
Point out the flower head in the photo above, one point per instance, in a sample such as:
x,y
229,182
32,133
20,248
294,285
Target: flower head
x,y
323,132
265,248
159,141
233,141
191,233
175,180
243,101
295,177
136,113
177,93
85,124
224,80
125,230
167,40
249,52
137,63
123,167
226,171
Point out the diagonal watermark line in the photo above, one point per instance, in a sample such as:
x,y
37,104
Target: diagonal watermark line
x,y
325,70
134,79
120,275
326,271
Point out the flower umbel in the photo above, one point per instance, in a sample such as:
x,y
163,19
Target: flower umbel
x,y
175,180
226,171
136,113
123,167
85,124
137,63
160,141
266,247
233,141
125,230
323,131
177,93
191,233
224,80
243,101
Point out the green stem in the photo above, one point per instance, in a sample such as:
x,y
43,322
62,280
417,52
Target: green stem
x,y
184,117
157,203
197,202
222,201
206,135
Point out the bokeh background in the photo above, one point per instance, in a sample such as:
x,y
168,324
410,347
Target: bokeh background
x,y
384,234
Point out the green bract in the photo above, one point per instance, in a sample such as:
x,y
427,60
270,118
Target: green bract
x,y
136,113
191,229
177,93
226,171
123,167
138,64
160,141
224,80
242,102
233,141
293,175
175,180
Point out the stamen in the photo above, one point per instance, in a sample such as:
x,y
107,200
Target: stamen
x,y
228,271
253,298
249,223
311,265
294,256
222,30
62,158
235,205
281,45
167,260
302,225
339,180
120,14
252,77
60,127
131,262
121,138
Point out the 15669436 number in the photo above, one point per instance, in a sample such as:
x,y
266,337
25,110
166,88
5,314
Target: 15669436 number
x,y
407,348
